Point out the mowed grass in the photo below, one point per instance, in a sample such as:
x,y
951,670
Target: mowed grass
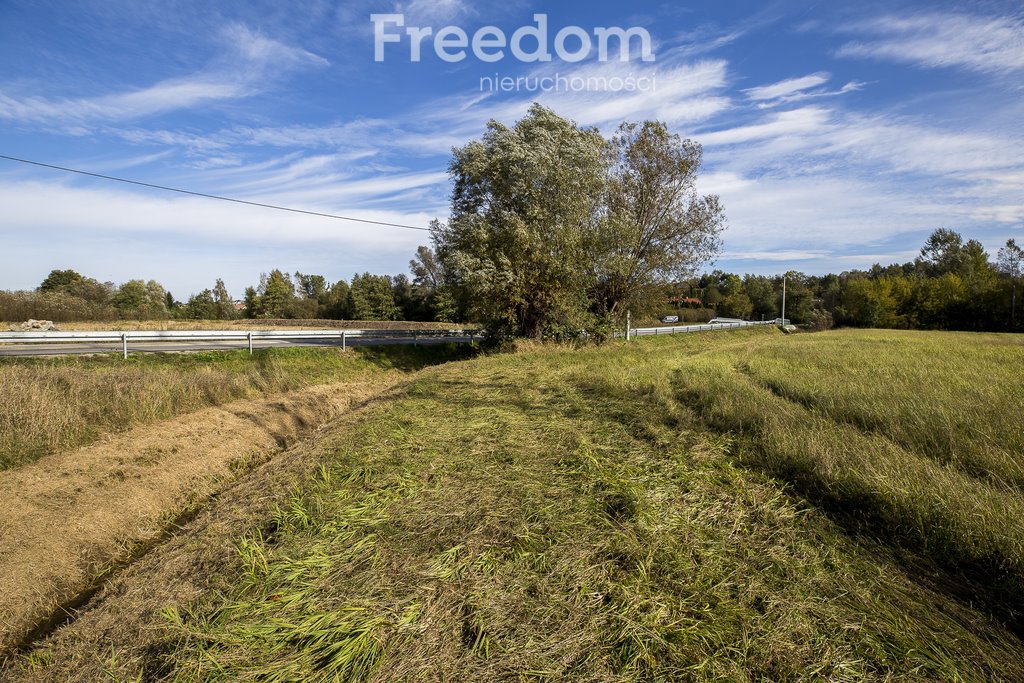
x,y
54,404
666,509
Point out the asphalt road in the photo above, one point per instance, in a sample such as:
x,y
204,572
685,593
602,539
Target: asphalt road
x,y
75,348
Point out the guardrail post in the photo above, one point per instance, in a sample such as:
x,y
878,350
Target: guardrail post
x,y
124,345
343,340
250,342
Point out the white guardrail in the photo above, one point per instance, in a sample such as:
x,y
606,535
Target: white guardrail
x,y
707,327
246,337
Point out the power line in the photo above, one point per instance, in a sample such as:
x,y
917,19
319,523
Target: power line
x,y
212,196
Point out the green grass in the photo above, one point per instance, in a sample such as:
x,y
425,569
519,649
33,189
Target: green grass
x,y
734,506
54,404
917,438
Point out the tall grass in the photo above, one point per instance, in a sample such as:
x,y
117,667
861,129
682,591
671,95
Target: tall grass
x,y
951,398
50,405
557,515
917,438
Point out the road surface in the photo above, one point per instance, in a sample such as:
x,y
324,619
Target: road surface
x,y
75,348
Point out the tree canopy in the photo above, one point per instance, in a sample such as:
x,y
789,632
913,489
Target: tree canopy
x,y
553,227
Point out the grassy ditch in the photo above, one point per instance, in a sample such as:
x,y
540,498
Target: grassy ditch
x,y
53,404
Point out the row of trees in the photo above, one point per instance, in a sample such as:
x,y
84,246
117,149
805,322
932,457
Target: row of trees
x,y
952,284
366,297
66,295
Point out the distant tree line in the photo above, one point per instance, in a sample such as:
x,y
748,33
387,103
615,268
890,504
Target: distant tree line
x,y
66,296
952,284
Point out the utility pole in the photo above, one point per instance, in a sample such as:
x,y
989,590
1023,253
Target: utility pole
x,y
1013,305
783,300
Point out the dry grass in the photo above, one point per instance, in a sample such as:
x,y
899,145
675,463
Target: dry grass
x,y
50,405
70,517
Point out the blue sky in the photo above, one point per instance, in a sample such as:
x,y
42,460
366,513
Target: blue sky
x,y
837,134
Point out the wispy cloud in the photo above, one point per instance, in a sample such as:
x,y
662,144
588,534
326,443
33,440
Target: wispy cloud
x,y
976,43
788,86
687,92
165,96
682,93
795,123
51,207
258,49
251,61
797,89
430,12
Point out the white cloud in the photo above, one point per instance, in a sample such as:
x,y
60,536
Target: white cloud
x,y
905,145
820,181
795,123
43,208
253,62
787,255
819,218
788,86
257,48
688,93
165,96
430,12
797,89
975,43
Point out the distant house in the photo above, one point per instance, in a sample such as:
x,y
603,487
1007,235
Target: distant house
x,y
685,301
239,305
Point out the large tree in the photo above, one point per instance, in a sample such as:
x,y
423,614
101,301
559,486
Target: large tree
x,y
140,300
201,306
434,287
658,228
225,305
59,280
525,203
554,228
1010,263
943,252
274,295
370,297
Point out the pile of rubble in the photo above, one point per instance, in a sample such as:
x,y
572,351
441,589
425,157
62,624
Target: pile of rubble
x,y
34,326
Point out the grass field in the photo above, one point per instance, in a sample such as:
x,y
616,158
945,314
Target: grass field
x,y
733,506
54,404
918,438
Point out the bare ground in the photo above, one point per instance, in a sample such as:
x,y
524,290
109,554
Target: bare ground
x,y
68,518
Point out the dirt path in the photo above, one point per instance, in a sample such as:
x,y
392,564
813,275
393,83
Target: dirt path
x,y
68,517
